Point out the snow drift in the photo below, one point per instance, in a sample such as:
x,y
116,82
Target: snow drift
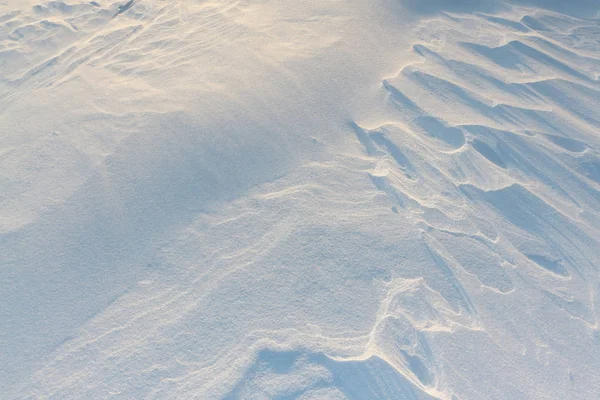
x,y
246,199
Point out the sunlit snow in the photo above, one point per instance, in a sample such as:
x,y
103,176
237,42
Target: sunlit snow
x,y
307,199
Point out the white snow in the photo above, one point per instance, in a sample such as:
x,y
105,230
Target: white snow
x,y
276,199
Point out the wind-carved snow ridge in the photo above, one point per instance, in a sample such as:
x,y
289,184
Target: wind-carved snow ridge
x,y
59,39
489,154
235,199
410,313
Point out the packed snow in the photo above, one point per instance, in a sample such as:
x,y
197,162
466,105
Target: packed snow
x,y
315,199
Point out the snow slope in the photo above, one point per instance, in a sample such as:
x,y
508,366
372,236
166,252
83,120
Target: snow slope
x,y
274,199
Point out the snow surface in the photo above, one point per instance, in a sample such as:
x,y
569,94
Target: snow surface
x,y
316,199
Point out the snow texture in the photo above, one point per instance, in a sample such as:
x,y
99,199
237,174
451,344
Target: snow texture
x,y
317,199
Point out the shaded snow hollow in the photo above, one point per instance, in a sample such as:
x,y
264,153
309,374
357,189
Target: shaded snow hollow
x,y
275,199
